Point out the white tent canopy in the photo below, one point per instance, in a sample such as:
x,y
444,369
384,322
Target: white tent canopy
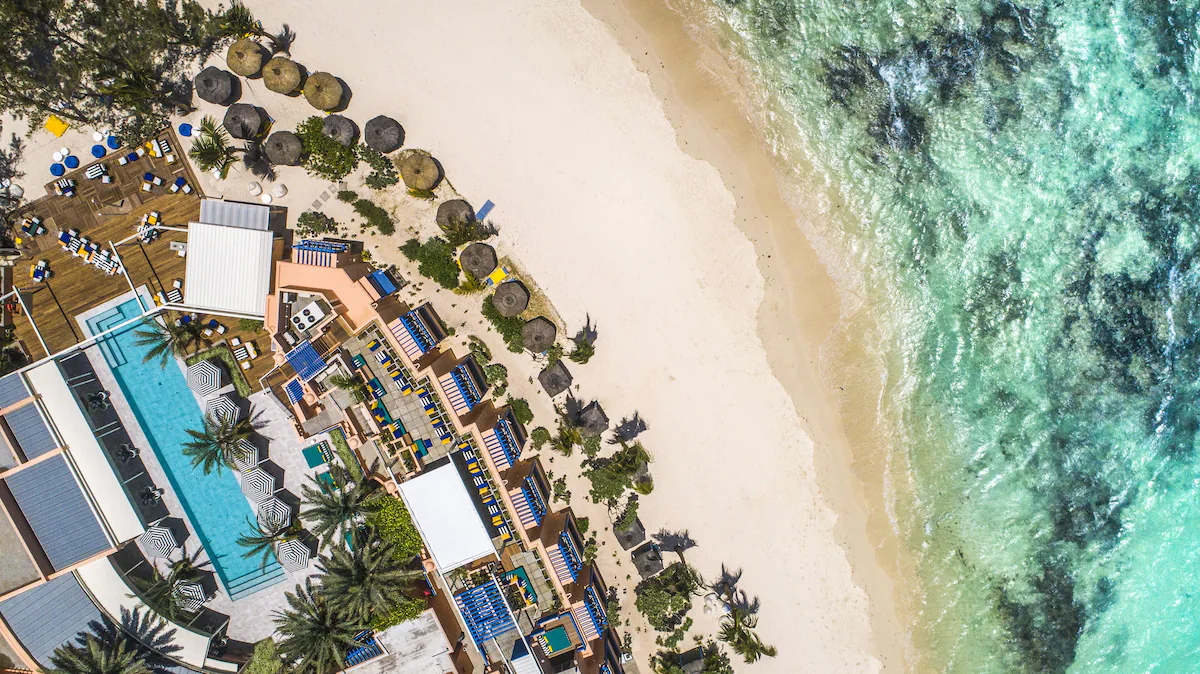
x,y
443,511
229,266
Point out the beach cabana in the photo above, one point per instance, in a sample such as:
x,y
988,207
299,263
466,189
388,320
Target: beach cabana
x,y
538,334
632,535
420,171
510,298
383,134
281,75
273,513
158,541
215,85
246,456
189,596
340,128
204,377
478,260
648,560
323,91
592,420
284,148
243,121
222,408
245,57
258,485
293,554
454,212
555,378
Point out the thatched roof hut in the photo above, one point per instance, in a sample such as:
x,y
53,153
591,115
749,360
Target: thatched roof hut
x,y
245,57
538,334
243,121
592,420
323,91
383,134
555,379
420,171
340,128
284,148
454,211
510,298
478,260
281,75
648,560
215,85
632,535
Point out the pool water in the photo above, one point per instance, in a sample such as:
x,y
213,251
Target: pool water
x,y
165,408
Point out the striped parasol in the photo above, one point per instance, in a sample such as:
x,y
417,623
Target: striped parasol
x,y
204,377
293,555
246,456
273,513
189,596
158,541
223,408
258,485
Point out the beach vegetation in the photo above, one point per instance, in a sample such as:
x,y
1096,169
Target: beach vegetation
x,y
540,437
497,376
459,231
611,477
238,21
218,442
167,340
583,351
435,260
509,327
666,598
367,581
479,350
334,512
520,410
470,285
347,456
559,491
383,171
324,157
628,514
315,223
265,659
223,354
261,543
11,356
353,385
158,590
567,438
405,611
347,196
376,216
737,630
250,325
554,354
211,150
315,635
715,659
672,640
10,172
427,195
591,446
393,523
93,654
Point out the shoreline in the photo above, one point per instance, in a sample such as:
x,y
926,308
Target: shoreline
x,y
801,313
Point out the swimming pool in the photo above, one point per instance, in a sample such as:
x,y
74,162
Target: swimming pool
x,y
165,408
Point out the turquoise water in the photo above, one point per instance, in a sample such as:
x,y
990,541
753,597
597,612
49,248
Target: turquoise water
x,y
1022,209
165,408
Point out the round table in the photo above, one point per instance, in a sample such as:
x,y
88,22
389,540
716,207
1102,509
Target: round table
x,y
58,156
265,198
71,161
57,169
97,136
97,151
280,190
185,130
254,188
66,151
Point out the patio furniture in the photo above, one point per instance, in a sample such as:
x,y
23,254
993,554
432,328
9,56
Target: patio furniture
x,y
57,169
185,130
247,455
265,198
293,554
274,513
223,408
95,171
58,156
112,143
317,455
98,151
204,377
280,190
258,485
72,162
97,136
65,152
254,188
189,596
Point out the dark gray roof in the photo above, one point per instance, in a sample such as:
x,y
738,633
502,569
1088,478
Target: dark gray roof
x,y
593,420
30,430
12,390
555,378
55,507
49,615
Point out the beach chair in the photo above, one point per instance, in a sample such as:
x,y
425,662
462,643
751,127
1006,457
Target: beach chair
x,y
373,345
122,161
175,296
95,171
187,189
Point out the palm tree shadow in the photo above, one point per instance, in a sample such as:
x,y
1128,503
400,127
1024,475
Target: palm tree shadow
x,y
727,589
572,408
678,542
587,333
628,429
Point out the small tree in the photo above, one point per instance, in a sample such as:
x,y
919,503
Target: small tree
x,y
311,223
266,536
368,581
315,635
353,385
167,340
326,158
219,442
335,512
737,630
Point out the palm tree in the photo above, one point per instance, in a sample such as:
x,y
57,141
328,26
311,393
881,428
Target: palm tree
x,y
211,149
469,286
262,542
568,436
334,512
737,630
91,655
238,21
219,442
356,387
315,635
368,581
159,592
166,339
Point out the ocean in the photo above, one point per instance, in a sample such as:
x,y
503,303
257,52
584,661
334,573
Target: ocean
x,y
1021,210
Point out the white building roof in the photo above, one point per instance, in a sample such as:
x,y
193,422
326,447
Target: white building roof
x,y
228,269
235,214
443,511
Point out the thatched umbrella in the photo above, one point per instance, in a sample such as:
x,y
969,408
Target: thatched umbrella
x,y
538,334
510,298
245,57
555,378
214,85
478,260
420,171
454,211
383,134
632,535
592,420
323,91
284,148
281,75
342,129
243,120
648,560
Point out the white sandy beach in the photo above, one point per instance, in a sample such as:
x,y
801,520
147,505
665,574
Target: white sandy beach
x,y
536,105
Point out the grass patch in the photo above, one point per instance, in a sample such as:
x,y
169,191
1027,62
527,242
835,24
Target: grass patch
x,y
508,327
349,460
347,196
383,171
224,354
376,216
265,660
311,222
435,260
394,524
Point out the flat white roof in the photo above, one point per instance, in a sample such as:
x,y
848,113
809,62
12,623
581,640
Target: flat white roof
x,y
443,511
235,214
228,269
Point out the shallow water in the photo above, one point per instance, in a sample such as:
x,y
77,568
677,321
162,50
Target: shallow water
x,y
1022,184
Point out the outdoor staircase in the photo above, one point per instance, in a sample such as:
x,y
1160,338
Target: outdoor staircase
x,y
258,579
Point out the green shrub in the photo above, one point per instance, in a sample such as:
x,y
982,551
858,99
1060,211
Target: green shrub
x,y
406,611
265,660
435,260
496,374
383,171
223,354
376,216
325,157
583,351
521,411
393,523
250,325
540,437
628,516
613,476
483,355
312,223
591,446
349,459
666,598
508,327
347,196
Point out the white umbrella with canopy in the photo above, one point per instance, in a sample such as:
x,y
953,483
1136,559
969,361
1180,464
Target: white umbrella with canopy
x,y
293,554
246,456
273,513
258,485
189,596
222,407
158,541
204,377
